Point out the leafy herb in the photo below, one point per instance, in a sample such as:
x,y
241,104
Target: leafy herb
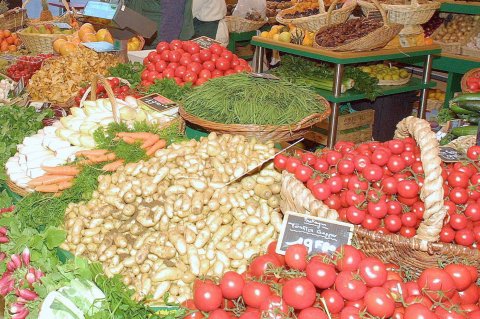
x,y
363,82
15,128
169,89
445,115
5,200
128,71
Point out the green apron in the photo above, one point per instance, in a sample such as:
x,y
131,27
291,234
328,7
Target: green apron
x,y
208,29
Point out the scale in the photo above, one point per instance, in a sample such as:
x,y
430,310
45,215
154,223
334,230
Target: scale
x,y
122,22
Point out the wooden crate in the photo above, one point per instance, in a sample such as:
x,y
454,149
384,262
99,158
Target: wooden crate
x,y
346,122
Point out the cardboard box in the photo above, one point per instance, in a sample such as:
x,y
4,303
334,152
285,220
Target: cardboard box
x,y
138,56
355,127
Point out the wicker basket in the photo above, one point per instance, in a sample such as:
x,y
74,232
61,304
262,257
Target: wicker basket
x,y
463,83
66,18
470,51
13,19
374,40
38,43
394,82
17,189
463,143
19,100
413,13
315,22
237,24
413,254
279,133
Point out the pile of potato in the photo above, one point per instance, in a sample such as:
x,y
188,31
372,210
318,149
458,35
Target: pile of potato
x,y
457,29
182,214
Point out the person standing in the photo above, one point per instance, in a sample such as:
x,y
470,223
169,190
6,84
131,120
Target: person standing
x,y
208,20
174,18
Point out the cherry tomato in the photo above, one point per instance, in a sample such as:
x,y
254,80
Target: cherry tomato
x,y
207,296
321,165
473,152
448,314
447,234
436,283
251,314
418,311
393,223
292,164
345,166
321,191
349,287
389,185
232,285
458,221
469,295
472,211
296,256
347,258
299,293
195,314
219,314
254,293
396,164
373,271
333,300
408,188
312,313
379,302
458,195
409,219
273,307
465,237
263,262
303,173
378,209
335,184
360,162
322,275
396,146
394,208
380,157
372,172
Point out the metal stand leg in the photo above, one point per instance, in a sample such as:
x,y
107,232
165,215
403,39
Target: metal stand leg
x,y
332,124
258,59
427,72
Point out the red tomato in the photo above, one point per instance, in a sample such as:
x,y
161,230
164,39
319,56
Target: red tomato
x,y
472,211
465,237
216,73
333,157
172,65
227,55
396,146
473,152
292,164
190,76
345,166
347,258
378,209
229,72
205,74
350,312
350,287
271,249
380,157
458,195
274,307
355,216
418,311
207,296
195,67
436,283
254,293
162,46
458,179
299,293
296,257
373,271
396,164
216,49
180,71
379,302
409,219
312,313
219,314
446,314
192,47
196,58
320,274
280,161
209,65
372,172
185,61
205,55
222,64
251,314
333,300
303,173
408,188
447,234
194,315
232,285
263,262
469,295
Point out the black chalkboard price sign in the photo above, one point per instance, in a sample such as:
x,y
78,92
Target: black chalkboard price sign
x,y
450,155
159,103
205,42
319,235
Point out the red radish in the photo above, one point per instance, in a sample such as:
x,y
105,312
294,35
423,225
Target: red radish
x,y
27,294
26,256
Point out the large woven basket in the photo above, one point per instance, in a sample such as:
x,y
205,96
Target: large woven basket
x,y
470,73
66,18
395,82
13,19
315,22
37,42
280,133
238,24
374,40
413,254
413,13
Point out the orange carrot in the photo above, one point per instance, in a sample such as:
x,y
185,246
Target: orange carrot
x,y
61,170
113,166
128,140
64,185
150,142
99,159
39,180
91,153
136,135
52,179
155,147
111,156
53,188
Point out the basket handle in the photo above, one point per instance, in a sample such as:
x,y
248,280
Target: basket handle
x,y
382,11
321,6
432,191
111,96
330,10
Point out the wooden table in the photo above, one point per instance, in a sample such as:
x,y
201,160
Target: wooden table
x,y
340,59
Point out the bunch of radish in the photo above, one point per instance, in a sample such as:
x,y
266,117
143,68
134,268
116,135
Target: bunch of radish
x,y
377,185
347,285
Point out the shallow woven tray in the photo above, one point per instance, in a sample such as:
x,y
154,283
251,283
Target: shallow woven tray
x,y
394,83
237,24
17,189
37,42
463,83
413,13
279,133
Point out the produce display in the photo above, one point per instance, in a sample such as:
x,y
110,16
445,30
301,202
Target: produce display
x,y
457,29
466,106
377,185
9,41
436,94
348,31
386,72
274,7
46,29
182,214
120,89
345,285
432,24
62,77
473,82
6,88
186,62
302,9
262,101
25,66
289,35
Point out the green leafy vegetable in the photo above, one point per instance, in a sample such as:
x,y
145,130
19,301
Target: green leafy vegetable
x,y
169,89
445,115
128,71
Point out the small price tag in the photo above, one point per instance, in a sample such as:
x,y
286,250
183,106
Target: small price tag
x,y
264,76
205,42
17,91
319,235
450,155
62,25
159,103
101,46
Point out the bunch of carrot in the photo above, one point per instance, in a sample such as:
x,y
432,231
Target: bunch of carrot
x,y
55,180
150,142
100,156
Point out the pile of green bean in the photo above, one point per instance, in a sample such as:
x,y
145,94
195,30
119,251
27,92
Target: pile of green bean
x,y
243,99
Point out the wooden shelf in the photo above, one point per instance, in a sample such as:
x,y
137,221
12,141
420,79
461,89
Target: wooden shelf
x,y
463,7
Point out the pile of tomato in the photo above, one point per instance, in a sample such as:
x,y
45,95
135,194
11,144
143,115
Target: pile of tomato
x,y
121,91
377,185
346,285
473,83
186,61
26,66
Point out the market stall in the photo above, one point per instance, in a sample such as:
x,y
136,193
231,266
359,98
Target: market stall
x,y
182,185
